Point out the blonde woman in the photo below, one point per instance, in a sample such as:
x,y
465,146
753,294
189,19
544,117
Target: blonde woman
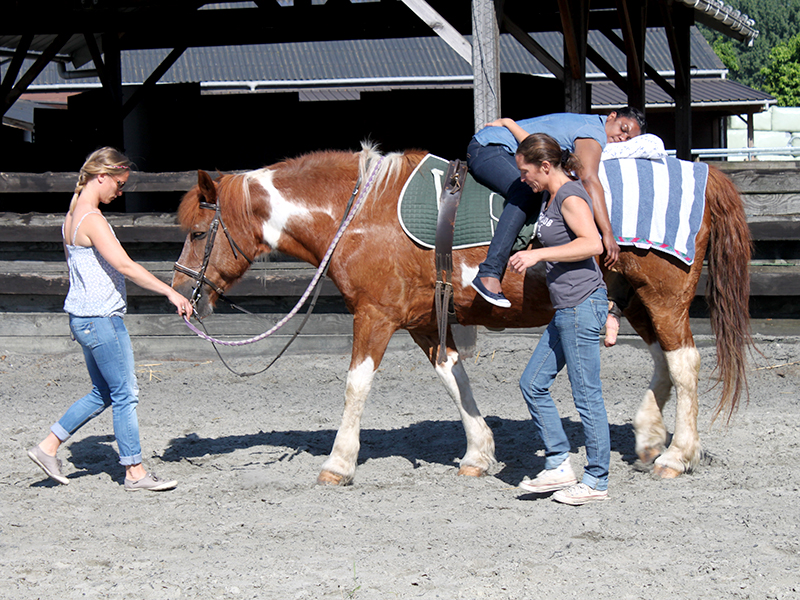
x,y
96,303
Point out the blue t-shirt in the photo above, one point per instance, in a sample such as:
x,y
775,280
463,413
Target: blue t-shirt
x,y
564,127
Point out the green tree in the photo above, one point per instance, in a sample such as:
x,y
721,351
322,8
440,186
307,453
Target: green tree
x,y
782,74
776,22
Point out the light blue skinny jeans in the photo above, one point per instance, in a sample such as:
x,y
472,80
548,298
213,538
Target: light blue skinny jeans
x,y
572,339
109,358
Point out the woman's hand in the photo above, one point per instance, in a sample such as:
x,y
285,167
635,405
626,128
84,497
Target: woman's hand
x,y
181,302
501,122
523,260
612,251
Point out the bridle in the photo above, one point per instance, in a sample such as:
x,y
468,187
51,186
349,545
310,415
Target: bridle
x,y
353,204
200,276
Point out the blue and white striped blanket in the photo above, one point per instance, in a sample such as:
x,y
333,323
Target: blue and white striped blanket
x,y
655,203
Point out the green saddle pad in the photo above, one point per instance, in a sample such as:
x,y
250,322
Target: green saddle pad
x,y
478,211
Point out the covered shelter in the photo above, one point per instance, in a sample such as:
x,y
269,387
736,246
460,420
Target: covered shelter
x,y
120,54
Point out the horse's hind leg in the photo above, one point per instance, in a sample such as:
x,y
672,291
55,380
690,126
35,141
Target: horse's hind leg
x,y
684,451
480,441
648,424
677,363
371,335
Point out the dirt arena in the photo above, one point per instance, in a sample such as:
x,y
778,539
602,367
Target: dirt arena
x,y
247,520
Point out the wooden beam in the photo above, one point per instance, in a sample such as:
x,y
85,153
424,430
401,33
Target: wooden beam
x,y
571,30
633,23
678,18
100,67
574,17
649,70
609,71
442,28
151,81
485,62
33,72
536,49
16,64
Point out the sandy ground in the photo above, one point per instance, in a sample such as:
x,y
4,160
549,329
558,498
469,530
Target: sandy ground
x,y
247,520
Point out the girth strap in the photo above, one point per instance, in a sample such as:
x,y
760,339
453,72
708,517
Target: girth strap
x,y
445,226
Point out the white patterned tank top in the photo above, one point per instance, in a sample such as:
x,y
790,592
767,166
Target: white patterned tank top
x,y
96,289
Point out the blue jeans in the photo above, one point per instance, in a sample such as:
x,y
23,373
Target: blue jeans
x,y
572,339
109,358
496,168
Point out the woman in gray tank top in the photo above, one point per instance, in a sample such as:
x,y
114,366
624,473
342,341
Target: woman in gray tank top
x,y
570,242
96,303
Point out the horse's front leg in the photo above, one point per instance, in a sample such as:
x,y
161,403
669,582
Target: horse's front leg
x,y
684,451
480,441
370,338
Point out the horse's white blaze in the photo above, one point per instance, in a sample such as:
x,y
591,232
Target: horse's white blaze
x,y
346,445
281,209
480,441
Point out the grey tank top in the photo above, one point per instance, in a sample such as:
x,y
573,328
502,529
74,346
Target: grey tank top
x,y
96,289
570,283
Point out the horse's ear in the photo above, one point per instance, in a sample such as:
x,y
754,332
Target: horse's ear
x,y
206,185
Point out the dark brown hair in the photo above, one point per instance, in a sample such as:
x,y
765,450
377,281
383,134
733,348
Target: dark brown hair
x,y
540,147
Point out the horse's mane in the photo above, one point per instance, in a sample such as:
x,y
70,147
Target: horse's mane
x,y
394,168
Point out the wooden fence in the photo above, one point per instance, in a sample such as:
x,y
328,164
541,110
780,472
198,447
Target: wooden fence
x,y
33,276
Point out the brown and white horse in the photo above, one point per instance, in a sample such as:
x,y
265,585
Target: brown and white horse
x,y
387,282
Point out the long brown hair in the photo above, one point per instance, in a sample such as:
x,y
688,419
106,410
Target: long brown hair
x,y
108,161
540,147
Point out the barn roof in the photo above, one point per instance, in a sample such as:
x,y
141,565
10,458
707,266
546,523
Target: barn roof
x,y
344,68
266,65
168,23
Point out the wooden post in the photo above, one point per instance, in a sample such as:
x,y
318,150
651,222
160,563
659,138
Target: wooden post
x,y
485,62
113,72
574,22
633,22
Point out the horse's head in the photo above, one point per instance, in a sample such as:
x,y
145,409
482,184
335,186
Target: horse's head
x,y
221,239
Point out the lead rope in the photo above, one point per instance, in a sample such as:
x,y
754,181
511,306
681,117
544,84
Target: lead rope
x,y
313,286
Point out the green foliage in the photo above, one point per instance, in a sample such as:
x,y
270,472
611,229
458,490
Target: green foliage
x,y
782,74
776,22
727,54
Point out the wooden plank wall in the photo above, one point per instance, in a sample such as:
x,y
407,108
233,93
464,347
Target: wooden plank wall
x,y
33,277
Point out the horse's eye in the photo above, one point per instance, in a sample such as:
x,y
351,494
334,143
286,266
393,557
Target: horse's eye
x,y
198,235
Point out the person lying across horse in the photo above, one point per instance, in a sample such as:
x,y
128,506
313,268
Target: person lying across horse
x,y
490,158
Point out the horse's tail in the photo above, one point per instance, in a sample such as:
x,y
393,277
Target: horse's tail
x,y
728,290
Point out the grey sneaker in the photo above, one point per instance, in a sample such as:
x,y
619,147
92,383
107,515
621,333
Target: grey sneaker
x,y
580,494
150,482
551,480
49,464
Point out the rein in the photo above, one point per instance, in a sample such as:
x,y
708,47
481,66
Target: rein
x,y
358,195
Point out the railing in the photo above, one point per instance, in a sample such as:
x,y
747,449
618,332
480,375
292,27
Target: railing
x,y
744,153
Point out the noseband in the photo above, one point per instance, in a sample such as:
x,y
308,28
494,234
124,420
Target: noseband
x,y
200,276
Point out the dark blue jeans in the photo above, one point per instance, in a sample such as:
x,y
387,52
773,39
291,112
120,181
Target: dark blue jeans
x,y
495,167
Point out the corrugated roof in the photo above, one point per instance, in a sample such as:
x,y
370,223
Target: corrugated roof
x,y
706,93
426,58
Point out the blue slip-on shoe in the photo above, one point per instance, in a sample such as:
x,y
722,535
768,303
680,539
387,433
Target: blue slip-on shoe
x,y
490,297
